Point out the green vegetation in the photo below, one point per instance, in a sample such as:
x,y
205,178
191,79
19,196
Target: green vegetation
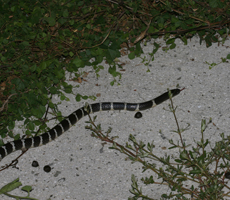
x,y
189,174
42,40
12,186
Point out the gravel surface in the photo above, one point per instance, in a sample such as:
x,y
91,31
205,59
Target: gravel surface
x,y
83,168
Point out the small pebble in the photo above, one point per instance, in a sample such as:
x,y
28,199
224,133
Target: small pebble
x,y
47,168
138,115
35,163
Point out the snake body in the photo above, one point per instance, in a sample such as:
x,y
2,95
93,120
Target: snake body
x,y
64,125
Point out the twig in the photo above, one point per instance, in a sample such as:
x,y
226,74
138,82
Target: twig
x,y
6,102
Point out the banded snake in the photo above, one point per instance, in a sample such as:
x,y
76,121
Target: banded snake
x,y
64,125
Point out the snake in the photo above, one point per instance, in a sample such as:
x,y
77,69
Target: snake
x,y
73,118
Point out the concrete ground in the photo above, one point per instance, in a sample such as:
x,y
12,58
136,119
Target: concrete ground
x,y
84,168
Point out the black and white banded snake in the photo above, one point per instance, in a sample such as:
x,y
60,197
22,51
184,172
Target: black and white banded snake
x,y
64,125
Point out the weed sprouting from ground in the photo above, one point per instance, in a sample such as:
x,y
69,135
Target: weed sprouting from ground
x,y
199,171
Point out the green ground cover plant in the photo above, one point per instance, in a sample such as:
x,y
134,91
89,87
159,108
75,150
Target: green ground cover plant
x,y
40,41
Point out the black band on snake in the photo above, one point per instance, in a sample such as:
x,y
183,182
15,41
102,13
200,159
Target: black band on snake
x,y
73,118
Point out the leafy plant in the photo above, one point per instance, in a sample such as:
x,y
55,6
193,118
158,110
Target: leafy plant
x,y
223,60
12,186
151,55
41,41
198,172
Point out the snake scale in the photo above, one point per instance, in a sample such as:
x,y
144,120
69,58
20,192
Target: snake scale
x,y
64,125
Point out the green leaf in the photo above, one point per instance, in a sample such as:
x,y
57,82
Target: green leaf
x,y
5,41
172,46
50,20
208,40
71,22
27,188
39,111
112,82
51,105
25,43
62,21
37,122
78,63
173,147
131,55
28,133
157,47
170,41
11,125
3,59
177,160
203,125
111,55
184,39
85,97
68,89
213,3
65,13
195,171
183,155
53,90
71,54
59,73
160,22
18,83
30,126
62,97
78,97
33,68
113,72
10,186
44,65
